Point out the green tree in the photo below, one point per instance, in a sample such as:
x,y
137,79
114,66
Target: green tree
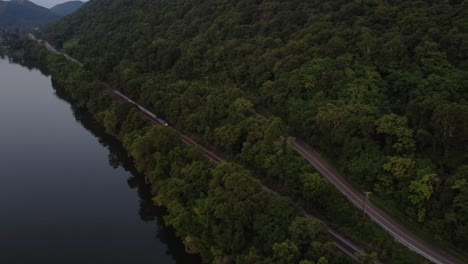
x,y
396,127
421,191
284,253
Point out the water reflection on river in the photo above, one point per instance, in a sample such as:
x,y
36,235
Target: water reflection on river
x,y
68,192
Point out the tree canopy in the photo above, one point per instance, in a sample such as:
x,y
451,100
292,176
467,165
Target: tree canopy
x,y
379,87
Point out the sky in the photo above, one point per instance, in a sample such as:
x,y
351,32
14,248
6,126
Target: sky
x,y
50,3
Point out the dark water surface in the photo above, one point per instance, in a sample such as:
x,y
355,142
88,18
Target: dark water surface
x,y
68,193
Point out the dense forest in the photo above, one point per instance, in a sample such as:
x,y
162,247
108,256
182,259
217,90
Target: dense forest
x,y
379,87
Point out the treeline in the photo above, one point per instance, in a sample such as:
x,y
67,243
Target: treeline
x,y
379,87
24,52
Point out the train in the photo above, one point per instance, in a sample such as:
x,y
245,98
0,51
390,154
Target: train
x,y
124,97
152,116
142,109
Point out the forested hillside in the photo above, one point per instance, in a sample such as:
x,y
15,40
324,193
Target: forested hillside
x,y
23,13
67,8
379,87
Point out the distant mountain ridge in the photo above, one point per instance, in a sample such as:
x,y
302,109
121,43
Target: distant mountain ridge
x,y
23,13
67,8
26,14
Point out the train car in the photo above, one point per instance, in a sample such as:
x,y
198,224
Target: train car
x,y
124,97
147,112
162,121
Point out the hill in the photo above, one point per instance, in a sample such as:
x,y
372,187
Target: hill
x,y
379,87
67,8
23,13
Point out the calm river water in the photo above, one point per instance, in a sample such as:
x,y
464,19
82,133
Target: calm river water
x,y
68,193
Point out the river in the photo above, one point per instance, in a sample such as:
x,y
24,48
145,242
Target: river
x,y
68,192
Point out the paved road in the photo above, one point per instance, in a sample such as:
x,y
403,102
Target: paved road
x,y
400,233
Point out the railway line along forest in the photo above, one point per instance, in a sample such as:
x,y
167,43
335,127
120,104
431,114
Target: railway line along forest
x,y
379,89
